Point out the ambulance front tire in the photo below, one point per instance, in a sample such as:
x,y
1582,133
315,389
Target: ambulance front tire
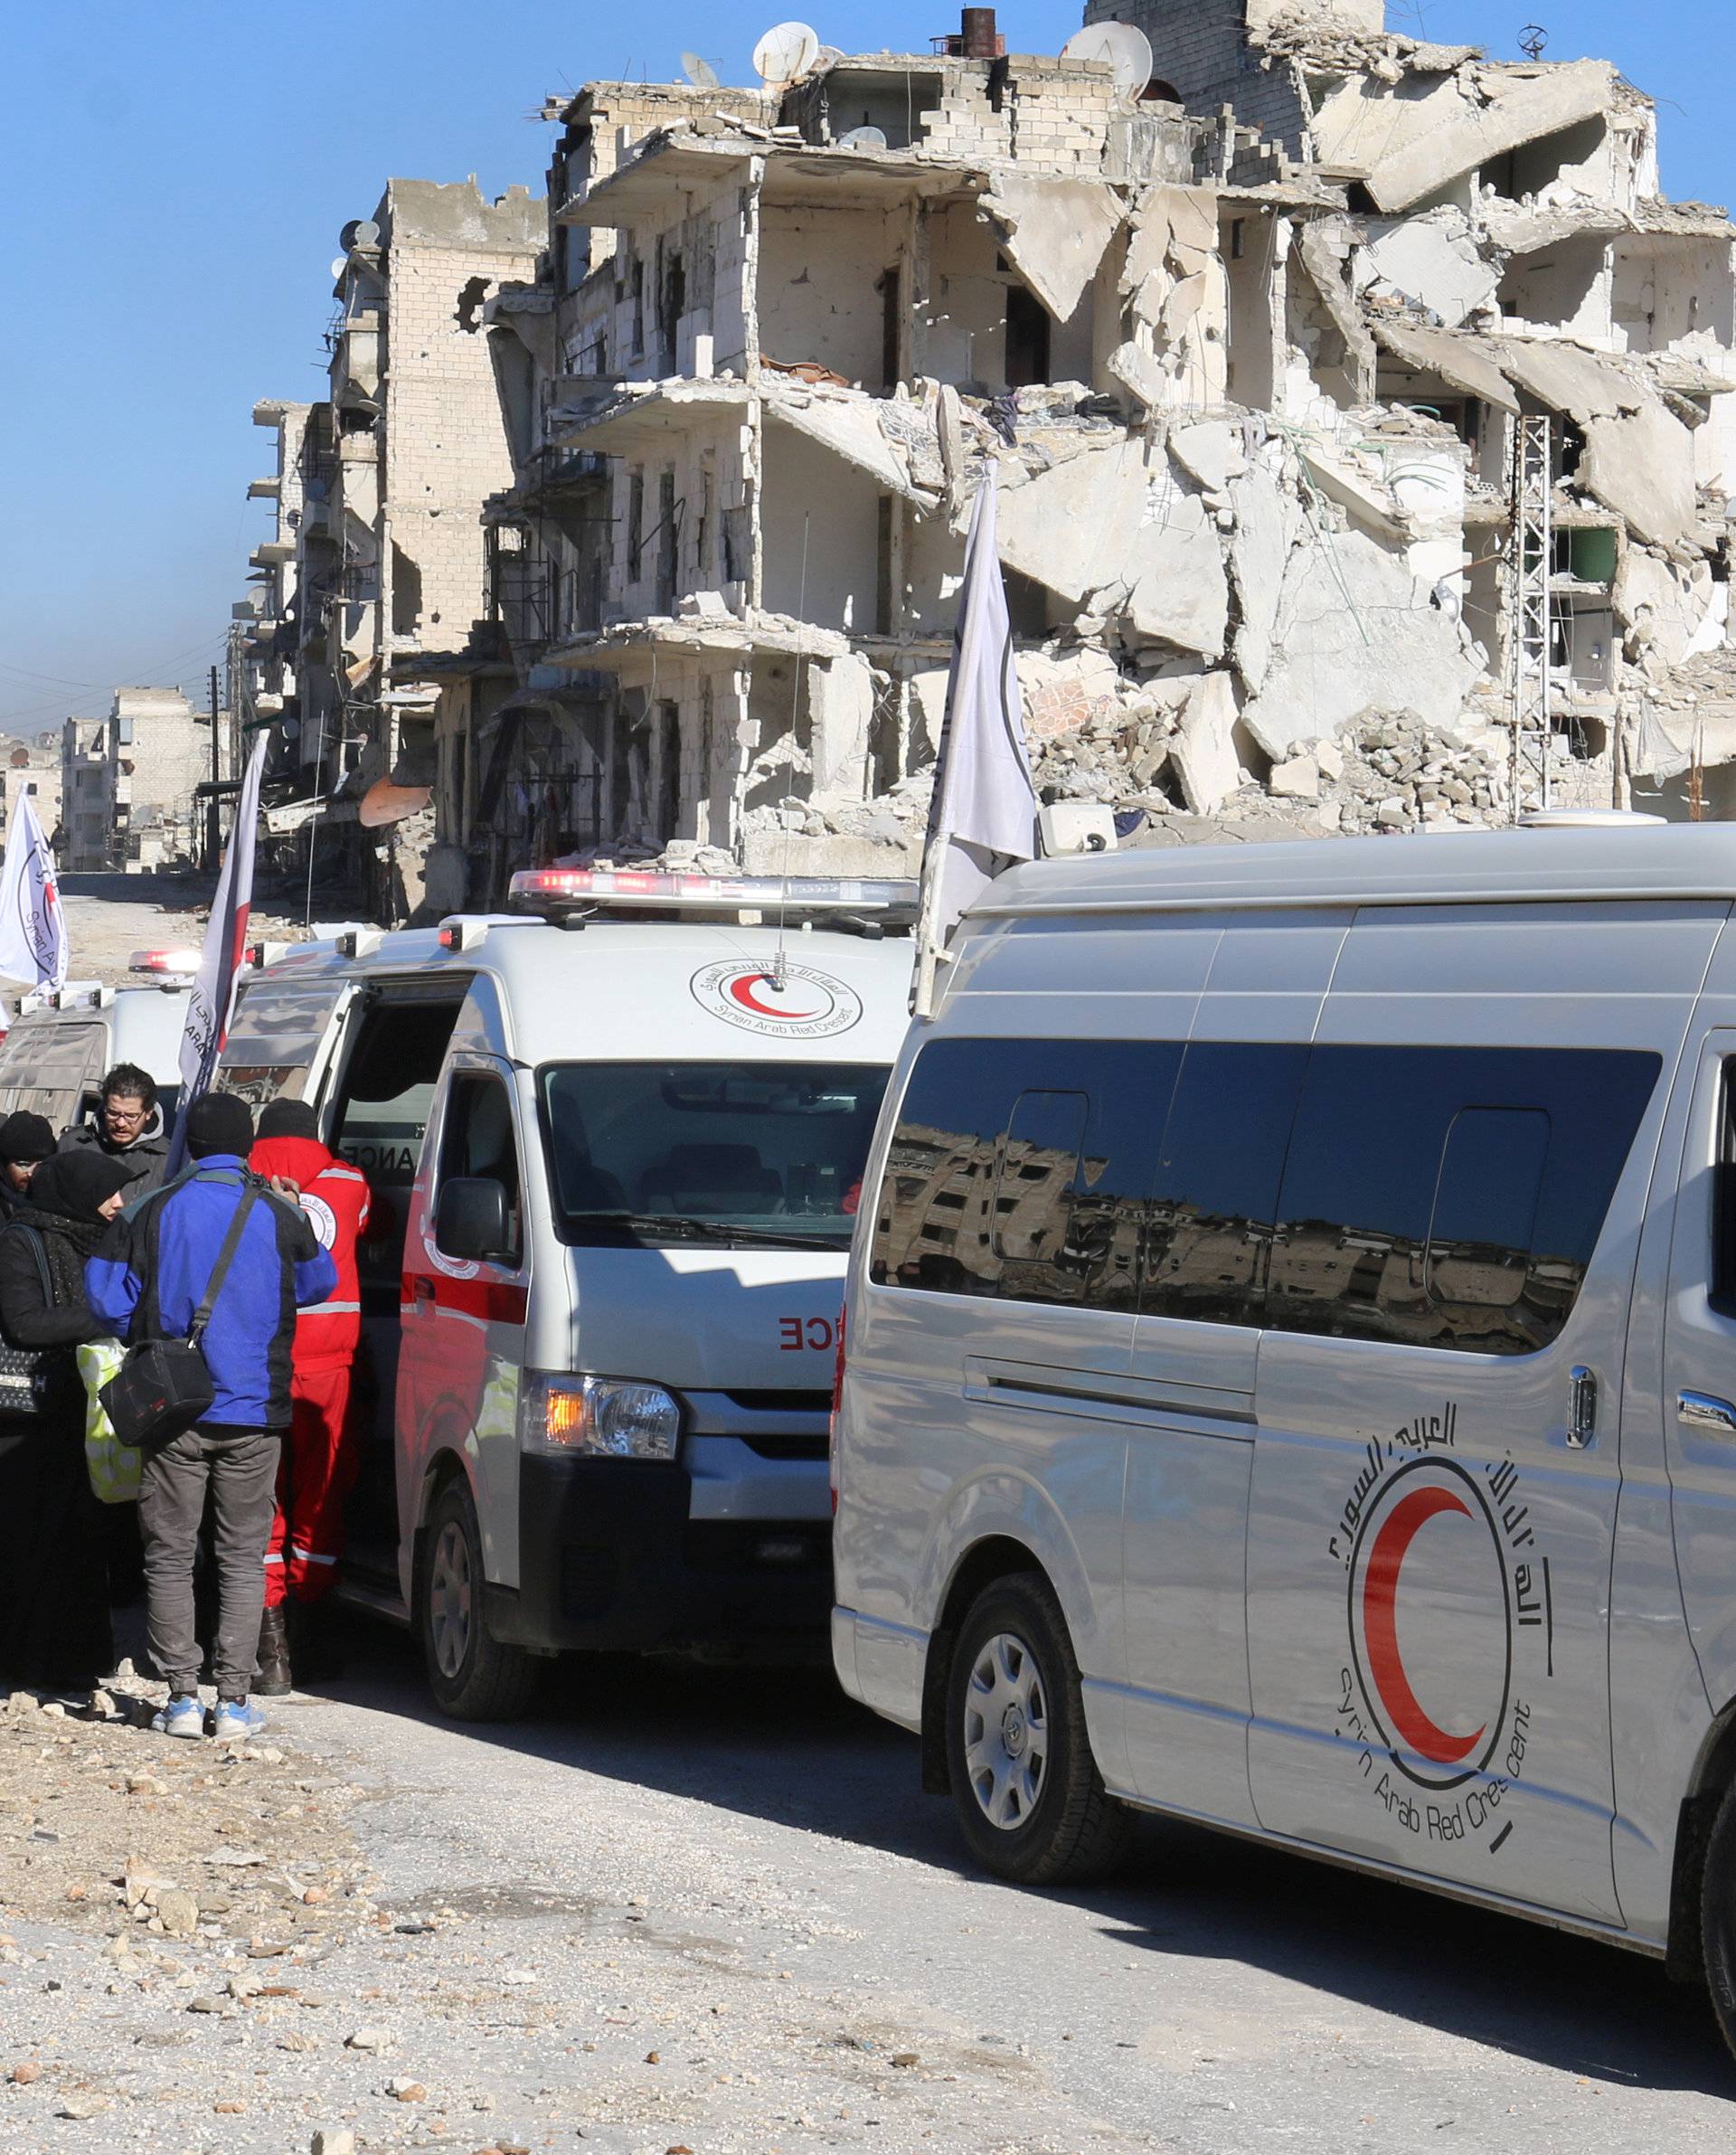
x,y
473,1676
1028,1794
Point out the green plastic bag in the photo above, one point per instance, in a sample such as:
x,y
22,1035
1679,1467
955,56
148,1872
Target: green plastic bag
x,y
113,1465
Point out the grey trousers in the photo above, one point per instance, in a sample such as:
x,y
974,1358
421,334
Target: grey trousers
x,y
240,1468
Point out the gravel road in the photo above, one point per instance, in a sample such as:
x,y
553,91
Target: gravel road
x,y
683,1910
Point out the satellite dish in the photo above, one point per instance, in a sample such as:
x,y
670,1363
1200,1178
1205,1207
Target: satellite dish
x,y
340,262
828,56
787,51
1119,45
367,233
862,139
700,72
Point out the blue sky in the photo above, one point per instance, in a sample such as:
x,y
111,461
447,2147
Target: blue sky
x,y
175,173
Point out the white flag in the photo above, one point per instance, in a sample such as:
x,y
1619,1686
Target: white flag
x,y
32,923
213,988
984,812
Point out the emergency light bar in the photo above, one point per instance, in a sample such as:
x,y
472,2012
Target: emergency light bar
x,y
636,889
76,995
181,962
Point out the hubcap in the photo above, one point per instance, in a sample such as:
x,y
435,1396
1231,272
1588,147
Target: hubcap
x,y
449,1599
1006,1731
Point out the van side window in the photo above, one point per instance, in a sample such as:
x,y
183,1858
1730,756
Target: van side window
x,y
1208,1225
478,1139
1450,1197
993,1187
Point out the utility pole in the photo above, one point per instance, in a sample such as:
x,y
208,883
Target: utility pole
x,y
213,829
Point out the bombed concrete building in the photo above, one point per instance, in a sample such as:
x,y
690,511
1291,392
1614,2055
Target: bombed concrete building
x,y
367,639
1363,420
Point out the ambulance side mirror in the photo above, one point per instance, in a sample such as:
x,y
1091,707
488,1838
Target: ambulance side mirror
x,y
472,1220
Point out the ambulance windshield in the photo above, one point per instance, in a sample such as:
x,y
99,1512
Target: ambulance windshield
x,y
748,1153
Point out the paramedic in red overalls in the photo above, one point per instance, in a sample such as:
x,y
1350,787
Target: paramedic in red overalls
x,y
318,1468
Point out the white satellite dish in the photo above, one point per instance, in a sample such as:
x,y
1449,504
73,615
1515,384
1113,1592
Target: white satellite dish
x,y
340,262
862,139
786,53
700,72
828,56
1119,45
367,233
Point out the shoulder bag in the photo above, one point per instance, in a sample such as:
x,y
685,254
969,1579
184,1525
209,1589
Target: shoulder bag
x,y
163,1386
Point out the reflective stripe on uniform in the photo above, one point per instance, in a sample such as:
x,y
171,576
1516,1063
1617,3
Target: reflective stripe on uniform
x,y
331,1309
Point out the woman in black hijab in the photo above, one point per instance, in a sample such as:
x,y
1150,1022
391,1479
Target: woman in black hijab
x,y
55,1625
26,1140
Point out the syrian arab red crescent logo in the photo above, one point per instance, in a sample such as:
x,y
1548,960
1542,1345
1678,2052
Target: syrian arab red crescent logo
x,y
1428,1536
804,1004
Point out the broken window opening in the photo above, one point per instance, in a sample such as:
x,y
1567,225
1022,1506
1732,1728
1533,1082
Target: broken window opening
x,y
885,764
667,534
737,542
1029,328
891,287
671,304
472,292
635,526
883,567
1027,605
638,308
667,823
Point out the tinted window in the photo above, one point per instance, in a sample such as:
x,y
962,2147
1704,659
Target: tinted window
x,y
1450,1196
1215,1196
664,1153
993,1186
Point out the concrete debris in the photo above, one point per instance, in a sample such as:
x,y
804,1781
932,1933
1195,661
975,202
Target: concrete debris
x,y
1054,233
1354,631
1406,148
1638,457
1113,531
1463,363
1433,260
1210,453
1204,754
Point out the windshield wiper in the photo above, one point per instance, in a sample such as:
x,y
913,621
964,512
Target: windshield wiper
x,y
713,1231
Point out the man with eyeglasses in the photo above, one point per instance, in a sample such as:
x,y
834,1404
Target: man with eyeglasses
x,y
128,1128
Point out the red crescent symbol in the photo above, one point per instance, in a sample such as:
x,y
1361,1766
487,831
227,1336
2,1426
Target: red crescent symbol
x,y
1380,1627
740,990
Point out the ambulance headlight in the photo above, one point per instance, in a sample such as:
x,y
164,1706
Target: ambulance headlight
x,y
602,1417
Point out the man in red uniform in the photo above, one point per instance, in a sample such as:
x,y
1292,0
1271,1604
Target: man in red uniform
x,y
318,1468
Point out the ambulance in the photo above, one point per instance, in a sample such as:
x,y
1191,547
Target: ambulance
x,y
615,1142
1291,1376
62,1040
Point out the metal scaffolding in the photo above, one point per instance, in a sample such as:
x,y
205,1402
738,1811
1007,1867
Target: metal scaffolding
x,y
1532,494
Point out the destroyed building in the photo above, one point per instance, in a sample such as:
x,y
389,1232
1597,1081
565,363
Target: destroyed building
x,y
1365,422
368,643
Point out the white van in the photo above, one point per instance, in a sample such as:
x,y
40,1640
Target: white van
x,y
63,1040
1292,1371
616,1153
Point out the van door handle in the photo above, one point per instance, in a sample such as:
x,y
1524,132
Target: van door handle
x,y
1581,1411
421,1287
1702,1410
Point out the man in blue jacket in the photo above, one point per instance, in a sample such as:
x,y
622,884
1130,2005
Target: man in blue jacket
x,y
147,1280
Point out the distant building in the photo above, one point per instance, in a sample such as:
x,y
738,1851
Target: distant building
x,y
34,768
127,783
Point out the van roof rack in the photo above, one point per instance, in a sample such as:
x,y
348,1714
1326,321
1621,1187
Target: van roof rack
x,y
868,905
75,995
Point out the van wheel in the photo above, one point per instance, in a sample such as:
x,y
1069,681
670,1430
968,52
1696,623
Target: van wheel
x,y
1718,1916
473,1677
1028,1794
